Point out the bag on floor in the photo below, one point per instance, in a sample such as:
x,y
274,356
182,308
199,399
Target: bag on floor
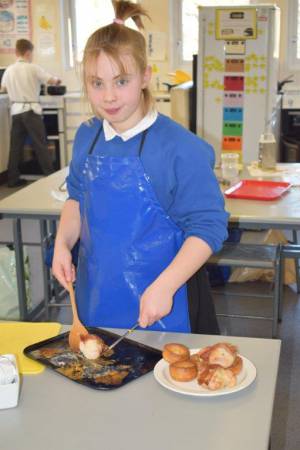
x,y
9,305
251,274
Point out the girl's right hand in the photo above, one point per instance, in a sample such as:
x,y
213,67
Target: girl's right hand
x,y
62,267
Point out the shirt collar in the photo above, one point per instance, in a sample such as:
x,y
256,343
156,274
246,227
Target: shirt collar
x,y
146,122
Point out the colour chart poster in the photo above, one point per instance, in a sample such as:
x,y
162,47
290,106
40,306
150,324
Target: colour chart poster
x,y
15,23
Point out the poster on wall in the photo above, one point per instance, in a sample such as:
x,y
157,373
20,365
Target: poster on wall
x,y
236,24
15,23
157,46
46,30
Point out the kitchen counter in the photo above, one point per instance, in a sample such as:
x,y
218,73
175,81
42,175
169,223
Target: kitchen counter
x,y
55,413
36,202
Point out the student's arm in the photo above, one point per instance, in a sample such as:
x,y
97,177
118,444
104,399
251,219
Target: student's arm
x,y
45,77
3,83
157,300
192,198
54,81
67,236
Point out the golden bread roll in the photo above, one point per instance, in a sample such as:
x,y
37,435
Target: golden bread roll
x,y
175,352
183,370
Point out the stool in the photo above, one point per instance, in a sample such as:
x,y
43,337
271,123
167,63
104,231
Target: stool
x,y
255,256
288,251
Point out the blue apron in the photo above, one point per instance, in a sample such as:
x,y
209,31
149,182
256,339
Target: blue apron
x,y
126,241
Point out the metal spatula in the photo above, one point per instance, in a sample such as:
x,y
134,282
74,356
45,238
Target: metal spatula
x,y
124,336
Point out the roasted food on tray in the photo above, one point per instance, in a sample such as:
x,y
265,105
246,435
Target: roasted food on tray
x,y
92,346
76,366
96,365
215,367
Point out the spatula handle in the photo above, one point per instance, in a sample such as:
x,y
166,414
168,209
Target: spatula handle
x,y
73,301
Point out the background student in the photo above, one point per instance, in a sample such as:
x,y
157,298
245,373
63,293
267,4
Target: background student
x,y
22,81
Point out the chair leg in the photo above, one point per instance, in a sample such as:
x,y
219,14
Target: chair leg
x,y
281,285
277,291
295,241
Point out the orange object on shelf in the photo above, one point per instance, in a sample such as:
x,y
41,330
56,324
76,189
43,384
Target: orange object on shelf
x,y
232,143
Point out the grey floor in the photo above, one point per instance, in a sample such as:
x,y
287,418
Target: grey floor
x,y
285,427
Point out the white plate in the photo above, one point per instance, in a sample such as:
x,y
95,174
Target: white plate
x,y
162,375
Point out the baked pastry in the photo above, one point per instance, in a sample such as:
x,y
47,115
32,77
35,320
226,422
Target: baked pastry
x,y
183,370
175,352
215,367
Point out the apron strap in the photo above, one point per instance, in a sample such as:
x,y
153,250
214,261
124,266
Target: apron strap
x,y
91,149
142,142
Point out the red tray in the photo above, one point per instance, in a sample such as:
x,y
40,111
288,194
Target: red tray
x,y
257,190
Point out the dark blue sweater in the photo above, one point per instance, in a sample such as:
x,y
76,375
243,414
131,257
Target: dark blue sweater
x,y
180,167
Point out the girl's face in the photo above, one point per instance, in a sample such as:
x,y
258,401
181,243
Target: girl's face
x,y
114,96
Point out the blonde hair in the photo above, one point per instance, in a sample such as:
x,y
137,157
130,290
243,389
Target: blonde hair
x,y
116,39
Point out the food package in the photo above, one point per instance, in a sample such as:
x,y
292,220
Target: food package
x,y
9,381
9,305
251,274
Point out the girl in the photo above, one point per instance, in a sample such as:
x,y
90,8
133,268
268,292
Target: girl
x,y
143,198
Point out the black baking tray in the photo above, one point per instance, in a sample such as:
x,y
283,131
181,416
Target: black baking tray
x,y
129,361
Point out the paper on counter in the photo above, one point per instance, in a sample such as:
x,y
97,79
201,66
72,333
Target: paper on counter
x,y
289,174
59,195
256,171
8,370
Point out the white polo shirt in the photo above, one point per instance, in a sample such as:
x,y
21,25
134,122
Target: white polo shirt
x,y
23,80
146,122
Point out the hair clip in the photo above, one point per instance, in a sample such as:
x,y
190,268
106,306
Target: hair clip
x,y
119,21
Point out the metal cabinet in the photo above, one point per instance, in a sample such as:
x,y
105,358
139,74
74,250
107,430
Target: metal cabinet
x,y
290,127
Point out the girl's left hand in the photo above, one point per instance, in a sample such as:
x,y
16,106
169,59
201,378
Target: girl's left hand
x,y
156,302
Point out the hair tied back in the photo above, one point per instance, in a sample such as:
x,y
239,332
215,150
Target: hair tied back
x,y
119,21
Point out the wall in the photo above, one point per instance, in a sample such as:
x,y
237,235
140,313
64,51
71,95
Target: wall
x,y
51,62
158,10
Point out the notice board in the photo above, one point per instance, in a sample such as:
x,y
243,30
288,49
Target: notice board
x,y
15,23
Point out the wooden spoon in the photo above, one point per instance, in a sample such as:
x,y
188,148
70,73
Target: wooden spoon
x,y
77,328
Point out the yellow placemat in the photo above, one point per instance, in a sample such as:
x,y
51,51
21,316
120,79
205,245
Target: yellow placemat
x,y
15,336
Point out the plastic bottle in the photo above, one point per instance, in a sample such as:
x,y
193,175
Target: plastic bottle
x,y
267,151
